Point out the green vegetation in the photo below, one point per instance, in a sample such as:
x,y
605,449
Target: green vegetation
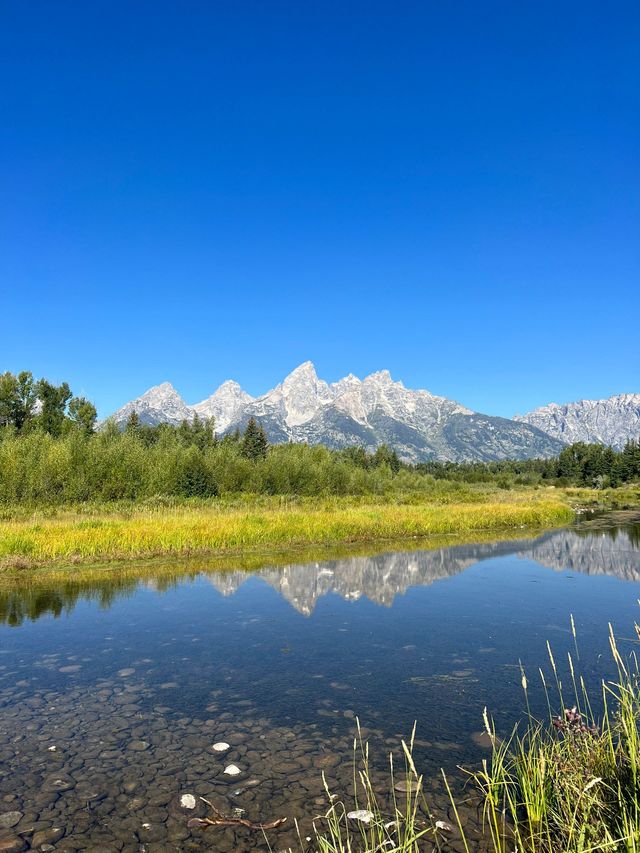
x,y
70,493
398,824
51,455
568,784
28,405
209,527
591,465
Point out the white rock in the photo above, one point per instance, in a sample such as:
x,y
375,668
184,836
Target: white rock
x,y
612,421
188,801
221,746
362,815
232,770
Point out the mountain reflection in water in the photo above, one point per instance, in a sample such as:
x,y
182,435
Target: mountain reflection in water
x,y
596,549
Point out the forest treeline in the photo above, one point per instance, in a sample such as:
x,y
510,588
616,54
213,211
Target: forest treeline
x,y
51,453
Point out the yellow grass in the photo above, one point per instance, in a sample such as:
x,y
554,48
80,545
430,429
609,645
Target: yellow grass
x,y
72,537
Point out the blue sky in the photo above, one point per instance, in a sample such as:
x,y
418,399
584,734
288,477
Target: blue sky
x,y
214,190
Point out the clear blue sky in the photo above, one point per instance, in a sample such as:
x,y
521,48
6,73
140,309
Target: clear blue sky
x,y
209,190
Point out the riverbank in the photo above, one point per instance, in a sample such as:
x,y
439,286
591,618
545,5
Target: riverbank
x,y
101,533
74,536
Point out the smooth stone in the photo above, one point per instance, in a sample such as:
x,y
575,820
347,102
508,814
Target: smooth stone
x,y
139,745
406,785
47,836
123,673
362,815
188,801
221,746
150,832
58,783
12,844
10,819
232,770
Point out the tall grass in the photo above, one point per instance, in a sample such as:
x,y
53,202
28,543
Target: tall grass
x,y
571,782
567,784
375,821
202,529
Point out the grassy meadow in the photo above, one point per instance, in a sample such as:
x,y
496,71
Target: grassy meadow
x,y
95,533
72,495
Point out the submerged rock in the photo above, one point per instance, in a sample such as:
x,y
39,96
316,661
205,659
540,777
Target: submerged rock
x,y
12,844
232,770
485,740
220,746
362,815
10,819
407,785
46,836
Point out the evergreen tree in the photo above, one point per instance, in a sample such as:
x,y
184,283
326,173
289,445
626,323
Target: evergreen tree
x,y
133,423
384,455
195,480
254,441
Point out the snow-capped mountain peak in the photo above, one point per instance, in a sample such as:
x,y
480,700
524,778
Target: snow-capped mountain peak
x,y
353,411
300,396
159,404
225,405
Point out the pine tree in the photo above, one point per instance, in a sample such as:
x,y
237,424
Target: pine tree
x,y
254,441
133,423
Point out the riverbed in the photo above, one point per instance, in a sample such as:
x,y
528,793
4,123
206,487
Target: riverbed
x,y
113,692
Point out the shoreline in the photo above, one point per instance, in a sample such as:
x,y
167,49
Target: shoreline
x,y
67,538
72,540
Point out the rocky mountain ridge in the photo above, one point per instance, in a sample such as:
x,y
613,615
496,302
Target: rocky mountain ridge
x,y
366,412
612,421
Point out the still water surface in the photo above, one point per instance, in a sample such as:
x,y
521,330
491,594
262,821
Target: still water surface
x,y
113,689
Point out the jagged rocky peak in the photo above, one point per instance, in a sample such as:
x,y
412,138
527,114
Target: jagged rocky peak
x,y
226,405
163,391
381,377
160,404
613,421
366,412
347,383
378,393
301,395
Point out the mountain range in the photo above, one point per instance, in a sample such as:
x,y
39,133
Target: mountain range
x,y
612,421
376,410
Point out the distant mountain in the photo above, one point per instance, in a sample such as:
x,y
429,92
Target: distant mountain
x,y
612,421
160,404
366,412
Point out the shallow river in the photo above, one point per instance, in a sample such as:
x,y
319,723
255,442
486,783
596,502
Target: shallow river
x,y
115,686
